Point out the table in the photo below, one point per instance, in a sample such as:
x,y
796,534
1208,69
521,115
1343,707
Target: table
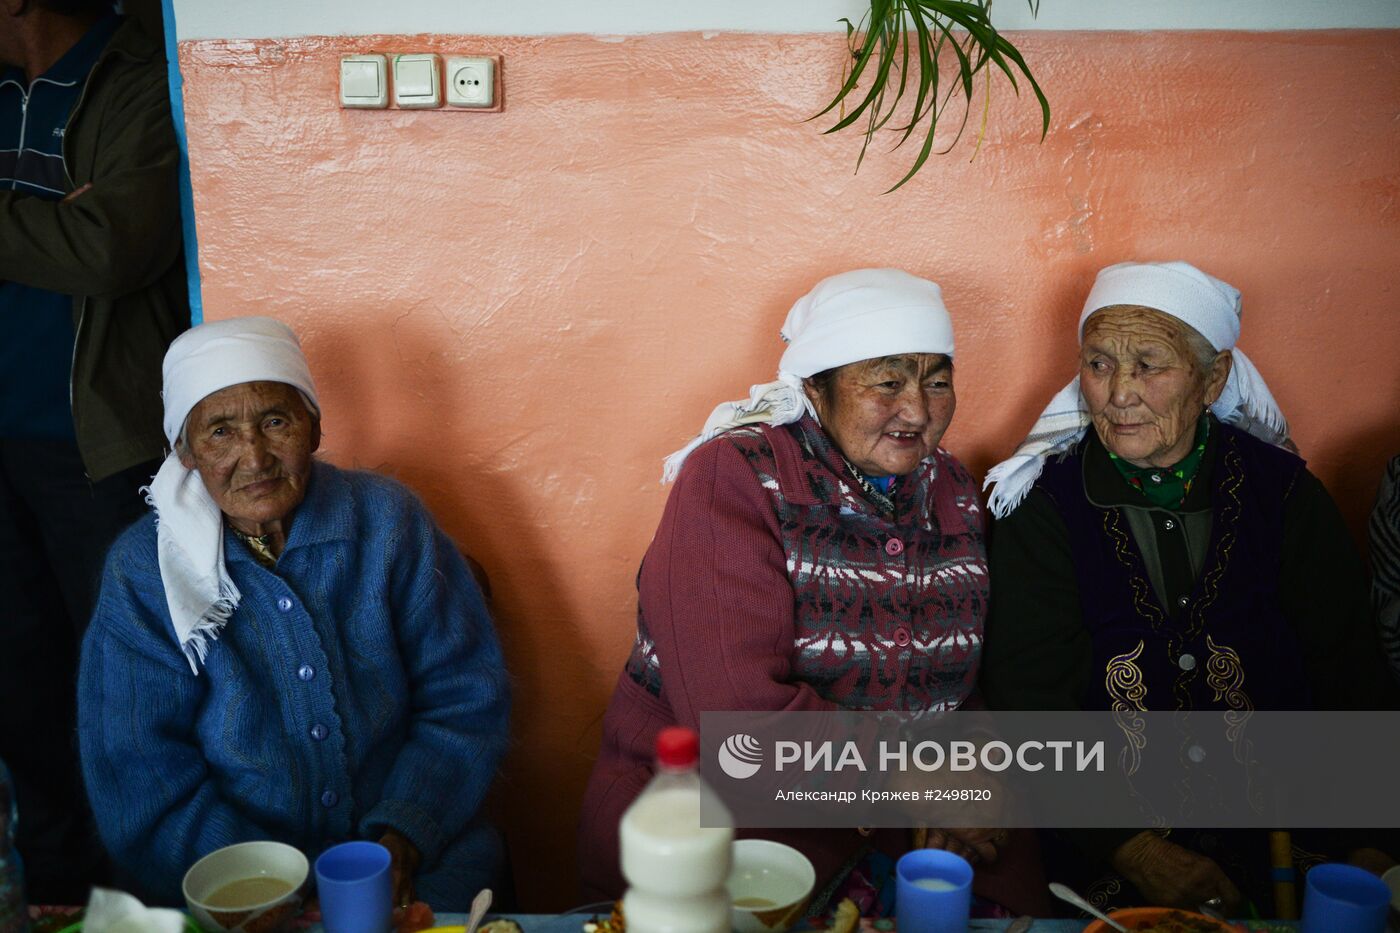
x,y
573,923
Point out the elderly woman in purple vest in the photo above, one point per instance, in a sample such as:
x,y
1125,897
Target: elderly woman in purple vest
x,y
1178,556
819,551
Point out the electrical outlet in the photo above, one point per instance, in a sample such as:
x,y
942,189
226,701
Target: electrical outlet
x,y
471,82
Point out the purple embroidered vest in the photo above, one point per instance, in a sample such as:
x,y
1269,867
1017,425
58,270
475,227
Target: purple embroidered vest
x,y
1231,647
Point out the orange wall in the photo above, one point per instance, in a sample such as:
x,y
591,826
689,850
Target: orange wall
x,y
519,314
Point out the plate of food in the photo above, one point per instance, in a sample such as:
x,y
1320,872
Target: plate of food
x,y
1162,920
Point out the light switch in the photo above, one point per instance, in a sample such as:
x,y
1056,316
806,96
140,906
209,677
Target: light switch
x,y
417,81
364,81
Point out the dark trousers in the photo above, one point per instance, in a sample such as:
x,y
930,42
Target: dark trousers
x,y
55,529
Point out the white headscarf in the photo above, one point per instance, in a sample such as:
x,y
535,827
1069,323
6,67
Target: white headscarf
x,y
846,318
189,533
1179,289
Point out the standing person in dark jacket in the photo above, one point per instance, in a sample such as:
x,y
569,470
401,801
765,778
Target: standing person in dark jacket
x,y
1159,546
92,290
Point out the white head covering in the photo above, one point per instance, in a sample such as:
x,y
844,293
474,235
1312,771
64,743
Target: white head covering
x,y
189,533
1179,289
846,318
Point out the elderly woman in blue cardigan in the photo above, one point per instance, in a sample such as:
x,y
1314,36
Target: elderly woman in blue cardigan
x,y
286,650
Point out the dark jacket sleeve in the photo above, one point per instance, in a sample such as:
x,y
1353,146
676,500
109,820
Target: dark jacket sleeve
x,y
1036,653
1325,594
123,233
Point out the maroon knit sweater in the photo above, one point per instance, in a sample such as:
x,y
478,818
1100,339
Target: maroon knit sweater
x,y
777,582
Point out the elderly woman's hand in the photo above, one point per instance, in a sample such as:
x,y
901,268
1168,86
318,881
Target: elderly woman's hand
x,y
1375,861
1169,875
403,864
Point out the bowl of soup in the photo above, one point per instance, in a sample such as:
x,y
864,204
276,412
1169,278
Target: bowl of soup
x,y
252,887
769,886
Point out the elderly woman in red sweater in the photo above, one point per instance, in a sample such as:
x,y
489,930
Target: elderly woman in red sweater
x,y
819,551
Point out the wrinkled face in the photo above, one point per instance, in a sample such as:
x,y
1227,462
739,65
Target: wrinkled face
x,y
888,414
252,445
1143,385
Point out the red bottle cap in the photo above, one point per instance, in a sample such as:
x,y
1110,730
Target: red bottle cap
x,y
677,748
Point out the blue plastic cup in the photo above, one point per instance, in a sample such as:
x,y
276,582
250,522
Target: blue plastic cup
x,y
1344,899
355,887
933,892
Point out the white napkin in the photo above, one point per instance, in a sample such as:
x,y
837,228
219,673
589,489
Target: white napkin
x,y
116,912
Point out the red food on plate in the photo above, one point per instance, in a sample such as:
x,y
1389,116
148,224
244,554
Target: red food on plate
x,y
1162,920
416,916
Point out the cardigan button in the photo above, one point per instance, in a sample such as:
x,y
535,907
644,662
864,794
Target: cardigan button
x,y
901,637
894,547
285,604
1169,524
319,732
1187,662
1183,601
306,672
330,798
1196,754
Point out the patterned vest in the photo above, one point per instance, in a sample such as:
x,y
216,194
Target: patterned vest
x,y
890,604
1232,647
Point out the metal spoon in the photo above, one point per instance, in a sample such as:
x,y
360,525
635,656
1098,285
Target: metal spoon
x,y
1069,897
480,904
1211,909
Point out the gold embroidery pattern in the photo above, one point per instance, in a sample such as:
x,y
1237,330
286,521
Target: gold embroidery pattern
x,y
1225,675
1144,602
1123,683
1122,549
1227,519
1101,891
1305,861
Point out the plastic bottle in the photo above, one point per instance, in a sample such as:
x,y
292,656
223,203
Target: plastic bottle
x,y
676,869
14,916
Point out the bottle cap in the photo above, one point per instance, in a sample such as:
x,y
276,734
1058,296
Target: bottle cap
x,y
677,748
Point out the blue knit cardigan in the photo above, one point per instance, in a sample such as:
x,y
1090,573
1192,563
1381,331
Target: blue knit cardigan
x,y
358,687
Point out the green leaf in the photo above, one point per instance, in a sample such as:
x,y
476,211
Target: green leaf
x,y
891,27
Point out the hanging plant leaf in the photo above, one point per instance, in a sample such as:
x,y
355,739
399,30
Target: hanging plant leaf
x,y
895,33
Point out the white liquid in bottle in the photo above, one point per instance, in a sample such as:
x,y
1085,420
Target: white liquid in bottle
x,y
675,867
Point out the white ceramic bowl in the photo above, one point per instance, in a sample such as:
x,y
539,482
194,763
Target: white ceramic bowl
x,y
1392,881
770,884
239,862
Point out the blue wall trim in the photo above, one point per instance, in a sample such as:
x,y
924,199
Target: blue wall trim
x,y
177,116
